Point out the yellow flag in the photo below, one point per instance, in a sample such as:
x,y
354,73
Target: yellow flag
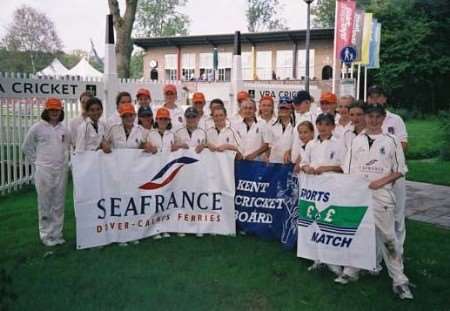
x,y
367,33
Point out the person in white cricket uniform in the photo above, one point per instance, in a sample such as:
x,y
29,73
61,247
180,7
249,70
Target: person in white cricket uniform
x,y
323,155
75,123
344,123
91,132
190,136
266,111
379,158
143,98
161,138
205,119
254,136
222,137
238,117
302,106
305,134
46,147
282,133
114,119
328,104
357,118
145,119
176,112
127,134
394,125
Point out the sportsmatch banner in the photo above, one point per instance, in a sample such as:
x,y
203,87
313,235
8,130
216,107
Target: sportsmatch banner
x,y
266,200
129,195
336,224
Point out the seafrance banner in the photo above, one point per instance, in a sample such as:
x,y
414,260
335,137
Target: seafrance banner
x,y
129,195
336,224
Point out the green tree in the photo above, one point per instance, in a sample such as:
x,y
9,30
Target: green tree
x,y
137,64
31,31
323,12
262,15
157,18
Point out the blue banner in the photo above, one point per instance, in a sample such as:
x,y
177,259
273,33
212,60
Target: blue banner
x,y
266,200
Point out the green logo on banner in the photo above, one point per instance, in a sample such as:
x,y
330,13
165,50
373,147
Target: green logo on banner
x,y
334,219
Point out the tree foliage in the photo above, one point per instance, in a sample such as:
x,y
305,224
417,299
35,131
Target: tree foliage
x,y
262,15
160,18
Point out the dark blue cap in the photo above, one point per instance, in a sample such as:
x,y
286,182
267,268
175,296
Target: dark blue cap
x,y
191,112
285,102
301,96
145,112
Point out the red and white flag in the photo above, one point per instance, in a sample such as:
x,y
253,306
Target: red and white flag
x,y
345,13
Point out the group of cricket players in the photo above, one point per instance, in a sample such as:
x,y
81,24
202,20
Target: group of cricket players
x,y
337,136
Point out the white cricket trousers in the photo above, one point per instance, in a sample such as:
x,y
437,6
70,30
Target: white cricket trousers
x,y
399,189
386,240
50,187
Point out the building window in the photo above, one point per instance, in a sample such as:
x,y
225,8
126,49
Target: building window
x,y
224,67
301,67
246,58
285,61
154,74
188,66
327,72
206,67
170,66
264,65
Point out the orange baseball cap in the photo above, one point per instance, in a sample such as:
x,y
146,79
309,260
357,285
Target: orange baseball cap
x,y
163,113
266,97
143,92
242,95
170,88
53,103
126,108
198,97
328,97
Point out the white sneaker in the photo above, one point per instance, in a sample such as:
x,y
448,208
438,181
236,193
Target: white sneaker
x,y
181,235
123,244
157,237
166,235
403,291
335,269
199,235
345,279
315,266
49,242
242,233
136,242
59,241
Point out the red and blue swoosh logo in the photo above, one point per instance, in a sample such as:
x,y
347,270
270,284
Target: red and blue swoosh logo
x,y
169,171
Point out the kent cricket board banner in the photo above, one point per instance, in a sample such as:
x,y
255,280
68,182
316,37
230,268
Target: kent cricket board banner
x,y
336,224
266,201
129,195
344,24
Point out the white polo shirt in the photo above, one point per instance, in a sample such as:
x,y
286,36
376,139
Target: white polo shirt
x,y
89,138
221,137
298,149
307,116
269,122
176,117
74,125
394,125
162,142
205,122
339,129
46,145
281,141
114,119
383,156
191,138
323,153
252,137
119,140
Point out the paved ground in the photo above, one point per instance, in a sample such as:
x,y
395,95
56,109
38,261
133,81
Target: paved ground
x,y
428,203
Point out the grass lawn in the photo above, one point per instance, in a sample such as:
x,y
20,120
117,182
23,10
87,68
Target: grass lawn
x,y
425,141
211,273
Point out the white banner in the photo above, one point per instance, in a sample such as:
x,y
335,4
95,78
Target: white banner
x,y
336,224
129,195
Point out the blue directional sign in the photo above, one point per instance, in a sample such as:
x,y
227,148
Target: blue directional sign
x,y
348,55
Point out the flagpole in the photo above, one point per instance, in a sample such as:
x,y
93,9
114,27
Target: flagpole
x,y
358,82
335,75
365,83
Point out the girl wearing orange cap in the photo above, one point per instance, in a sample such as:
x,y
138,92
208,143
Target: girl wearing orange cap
x,y
161,138
126,134
121,98
176,113
45,146
92,131
143,97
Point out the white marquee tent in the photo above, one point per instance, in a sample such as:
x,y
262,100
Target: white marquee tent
x,y
54,69
84,69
